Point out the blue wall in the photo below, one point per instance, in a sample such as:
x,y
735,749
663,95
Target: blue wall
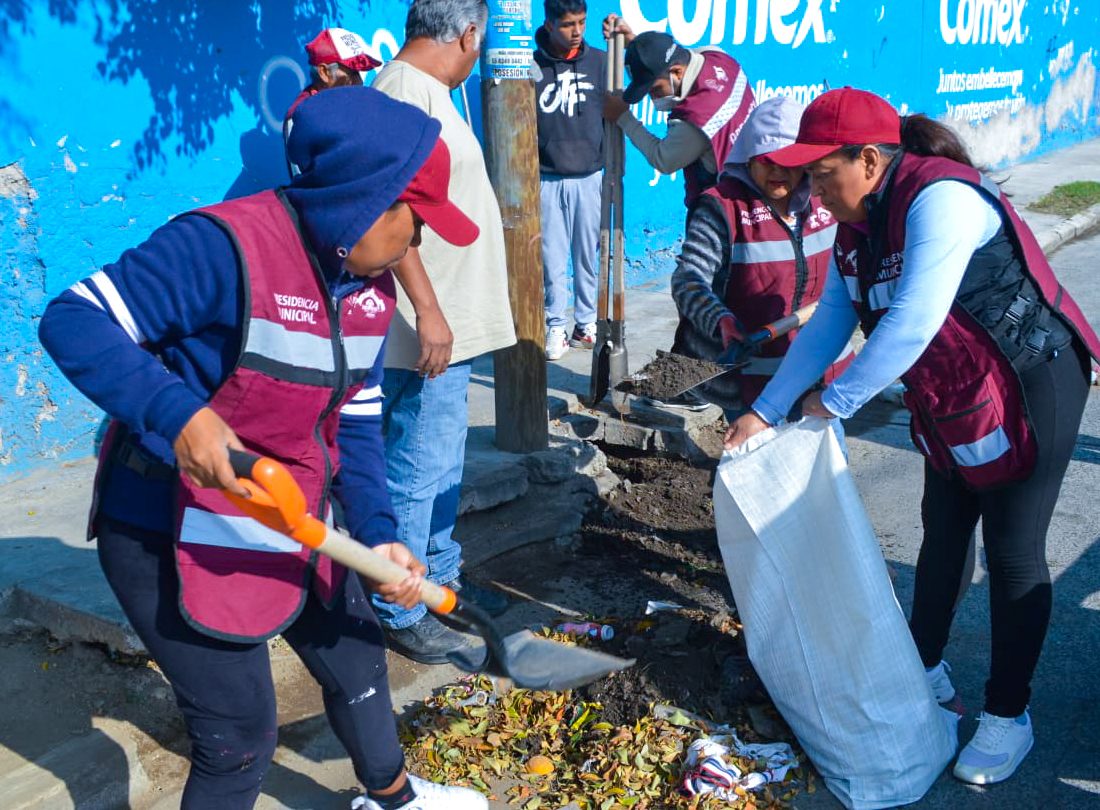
x,y
117,114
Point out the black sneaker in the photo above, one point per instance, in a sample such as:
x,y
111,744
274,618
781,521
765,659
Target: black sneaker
x,y
492,602
427,641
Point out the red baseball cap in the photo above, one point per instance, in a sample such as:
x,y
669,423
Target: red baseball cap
x,y
426,195
344,47
838,118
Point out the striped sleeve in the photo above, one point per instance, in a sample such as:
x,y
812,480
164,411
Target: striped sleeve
x,y
360,483
705,254
103,331
368,402
102,292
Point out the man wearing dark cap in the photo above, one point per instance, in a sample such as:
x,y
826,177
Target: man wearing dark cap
x,y
337,58
260,324
705,93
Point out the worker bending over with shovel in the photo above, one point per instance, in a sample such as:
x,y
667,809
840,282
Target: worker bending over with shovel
x,y
707,97
956,298
259,324
757,250
705,93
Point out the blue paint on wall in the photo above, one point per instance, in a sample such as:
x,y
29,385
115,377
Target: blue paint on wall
x,y
163,105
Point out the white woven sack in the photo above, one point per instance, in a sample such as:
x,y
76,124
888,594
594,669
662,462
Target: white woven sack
x,y
823,627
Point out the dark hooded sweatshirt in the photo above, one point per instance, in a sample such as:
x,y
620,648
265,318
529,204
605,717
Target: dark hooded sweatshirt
x,y
569,104
152,336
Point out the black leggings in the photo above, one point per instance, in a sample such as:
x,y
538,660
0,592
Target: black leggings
x,y
1014,528
225,690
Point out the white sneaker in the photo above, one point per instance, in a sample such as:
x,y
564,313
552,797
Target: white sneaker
x,y
432,796
942,688
997,749
583,337
556,343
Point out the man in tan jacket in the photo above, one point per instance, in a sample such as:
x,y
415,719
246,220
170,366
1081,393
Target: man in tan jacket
x,y
425,416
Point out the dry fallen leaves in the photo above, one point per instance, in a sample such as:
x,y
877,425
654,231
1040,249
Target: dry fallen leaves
x,y
468,733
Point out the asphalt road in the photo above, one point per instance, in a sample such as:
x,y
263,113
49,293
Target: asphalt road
x,y
1063,770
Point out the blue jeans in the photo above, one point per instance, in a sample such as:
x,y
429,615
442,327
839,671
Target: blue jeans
x,y
570,209
424,422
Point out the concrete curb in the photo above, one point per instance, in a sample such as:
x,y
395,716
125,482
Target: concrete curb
x,y
68,622
81,773
1069,229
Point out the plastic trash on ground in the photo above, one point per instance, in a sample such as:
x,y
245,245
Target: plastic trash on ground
x,y
709,769
821,623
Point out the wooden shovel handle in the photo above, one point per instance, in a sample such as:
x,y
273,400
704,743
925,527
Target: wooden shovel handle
x,y
278,502
617,147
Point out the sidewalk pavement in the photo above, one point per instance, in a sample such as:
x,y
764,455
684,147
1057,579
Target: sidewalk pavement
x,y
49,576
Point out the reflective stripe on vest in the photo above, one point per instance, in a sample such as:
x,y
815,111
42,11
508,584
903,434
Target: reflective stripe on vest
x,y
881,295
233,531
782,250
969,417
723,114
982,451
284,345
303,358
362,351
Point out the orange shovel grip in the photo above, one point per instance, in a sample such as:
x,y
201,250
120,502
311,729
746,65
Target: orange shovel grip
x,y
275,499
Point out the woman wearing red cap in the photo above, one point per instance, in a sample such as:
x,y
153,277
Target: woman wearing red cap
x,y
956,298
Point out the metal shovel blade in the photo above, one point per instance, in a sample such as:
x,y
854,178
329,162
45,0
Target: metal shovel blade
x,y
529,661
725,369
617,367
540,663
600,381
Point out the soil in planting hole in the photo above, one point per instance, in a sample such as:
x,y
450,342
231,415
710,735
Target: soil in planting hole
x,y
653,541
669,374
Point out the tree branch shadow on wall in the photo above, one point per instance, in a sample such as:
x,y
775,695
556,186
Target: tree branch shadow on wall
x,y
199,60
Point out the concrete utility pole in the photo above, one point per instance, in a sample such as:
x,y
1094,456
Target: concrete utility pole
x,y
511,155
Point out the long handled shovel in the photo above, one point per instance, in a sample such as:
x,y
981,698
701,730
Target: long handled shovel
x,y
529,661
600,379
739,355
617,360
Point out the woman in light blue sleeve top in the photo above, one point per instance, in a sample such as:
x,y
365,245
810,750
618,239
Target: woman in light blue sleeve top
x,y
955,298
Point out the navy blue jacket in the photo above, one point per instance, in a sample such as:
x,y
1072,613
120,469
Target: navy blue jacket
x,y
152,336
178,297
569,109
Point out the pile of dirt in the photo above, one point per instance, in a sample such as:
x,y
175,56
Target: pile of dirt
x,y
646,562
660,528
669,374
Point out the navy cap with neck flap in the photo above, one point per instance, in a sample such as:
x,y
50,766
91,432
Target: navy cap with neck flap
x,y
354,151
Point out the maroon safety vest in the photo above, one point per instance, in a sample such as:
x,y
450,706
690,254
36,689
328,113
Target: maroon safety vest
x,y
969,415
719,102
299,362
772,273
307,91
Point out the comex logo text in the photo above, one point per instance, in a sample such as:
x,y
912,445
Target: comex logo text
x,y
787,22
983,22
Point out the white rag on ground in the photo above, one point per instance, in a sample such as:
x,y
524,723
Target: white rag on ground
x,y
822,625
708,771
